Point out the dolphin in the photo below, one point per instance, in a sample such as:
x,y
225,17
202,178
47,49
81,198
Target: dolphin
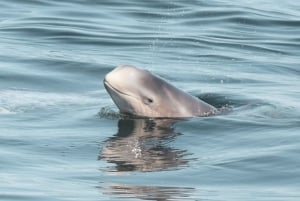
x,y
140,93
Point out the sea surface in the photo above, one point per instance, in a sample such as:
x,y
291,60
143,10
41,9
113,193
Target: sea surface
x,y
62,138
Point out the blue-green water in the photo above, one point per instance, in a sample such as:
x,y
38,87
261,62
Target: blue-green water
x,y
61,139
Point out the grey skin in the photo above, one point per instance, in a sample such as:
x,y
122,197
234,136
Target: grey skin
x,y
140,93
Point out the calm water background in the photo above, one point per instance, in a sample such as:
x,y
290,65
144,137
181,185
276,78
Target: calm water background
x,y
60,138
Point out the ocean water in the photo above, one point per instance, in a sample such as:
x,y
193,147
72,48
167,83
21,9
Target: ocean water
x,y
61,137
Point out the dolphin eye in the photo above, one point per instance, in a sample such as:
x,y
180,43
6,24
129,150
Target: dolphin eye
x,y
148,101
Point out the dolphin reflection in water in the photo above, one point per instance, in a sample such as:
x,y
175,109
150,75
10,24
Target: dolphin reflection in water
x,y
159,193
143,145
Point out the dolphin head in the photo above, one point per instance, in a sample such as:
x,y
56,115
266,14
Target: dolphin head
x,y
134,90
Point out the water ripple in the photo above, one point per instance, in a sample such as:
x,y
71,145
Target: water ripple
x,y
239,55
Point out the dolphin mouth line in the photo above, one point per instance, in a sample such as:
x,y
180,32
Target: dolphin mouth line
x,y
116,90
113,88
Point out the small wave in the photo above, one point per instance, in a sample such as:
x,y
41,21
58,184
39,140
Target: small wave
x,y
22,100
5,111
254,110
